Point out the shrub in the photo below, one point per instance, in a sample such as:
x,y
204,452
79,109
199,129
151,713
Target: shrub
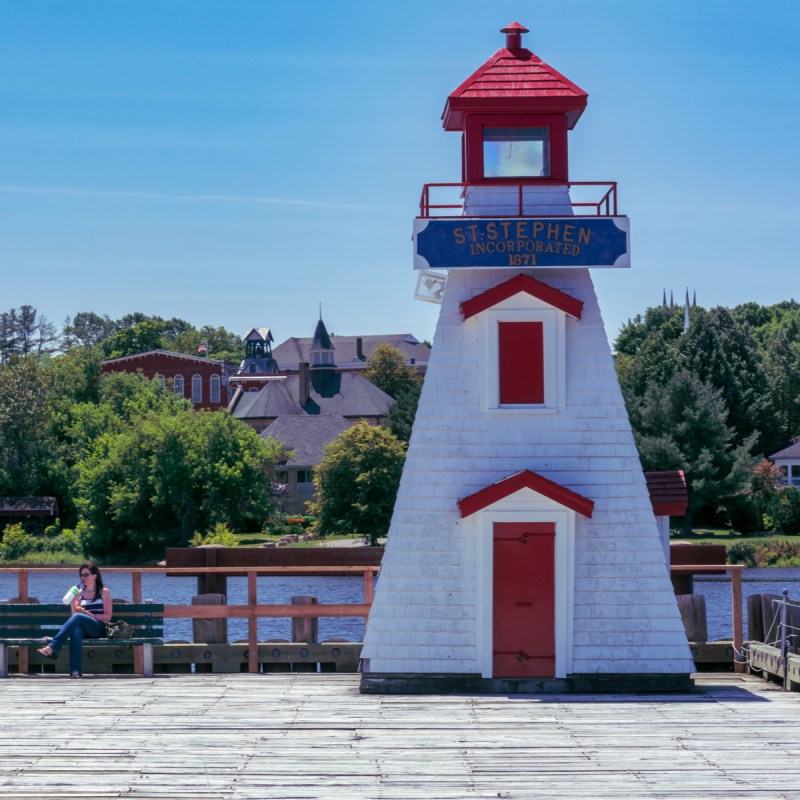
x,y
84,533
17,542
219,534
741,553
283,525
773,554
784,511
69,541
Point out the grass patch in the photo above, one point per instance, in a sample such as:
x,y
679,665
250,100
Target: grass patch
x,y
55,558
723,536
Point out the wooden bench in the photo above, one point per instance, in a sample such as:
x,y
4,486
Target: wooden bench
x,y
26,625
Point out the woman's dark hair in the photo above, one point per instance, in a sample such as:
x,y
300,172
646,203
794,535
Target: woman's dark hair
x,y
95,570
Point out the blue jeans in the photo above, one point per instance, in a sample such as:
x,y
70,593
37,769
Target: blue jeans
x,y
75,629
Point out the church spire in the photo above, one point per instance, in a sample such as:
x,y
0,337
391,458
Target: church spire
x,y
686,312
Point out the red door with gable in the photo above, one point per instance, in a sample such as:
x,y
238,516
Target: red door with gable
x,y
524,600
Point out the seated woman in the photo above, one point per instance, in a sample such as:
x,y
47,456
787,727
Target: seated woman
x,y
91,608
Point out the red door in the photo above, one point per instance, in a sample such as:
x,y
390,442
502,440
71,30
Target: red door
x,y
524,600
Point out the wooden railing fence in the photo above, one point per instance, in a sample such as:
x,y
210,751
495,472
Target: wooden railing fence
x,y
252,610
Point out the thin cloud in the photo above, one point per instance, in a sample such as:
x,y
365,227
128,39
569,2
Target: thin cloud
x,y
196,198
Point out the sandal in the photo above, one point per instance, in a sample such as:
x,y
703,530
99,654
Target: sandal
x,y
42,651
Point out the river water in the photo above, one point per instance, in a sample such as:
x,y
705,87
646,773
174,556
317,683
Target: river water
x,y
50,587
717,591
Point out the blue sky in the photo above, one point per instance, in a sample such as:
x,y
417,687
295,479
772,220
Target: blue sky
x,y
236,163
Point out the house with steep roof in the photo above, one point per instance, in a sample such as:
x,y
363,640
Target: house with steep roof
x,y
788,462
306,436
311,392
306,408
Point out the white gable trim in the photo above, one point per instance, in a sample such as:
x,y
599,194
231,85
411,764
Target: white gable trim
x,y
524,505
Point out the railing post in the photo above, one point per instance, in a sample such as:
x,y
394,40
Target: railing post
x,y
369,591
136,588
252,622
22,652
738,635
785,638
22,586
139,660
211,581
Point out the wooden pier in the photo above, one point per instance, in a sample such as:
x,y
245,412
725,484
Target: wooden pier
x,y
259,737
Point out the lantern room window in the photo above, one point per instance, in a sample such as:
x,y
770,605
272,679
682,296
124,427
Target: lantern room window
x,y
516,152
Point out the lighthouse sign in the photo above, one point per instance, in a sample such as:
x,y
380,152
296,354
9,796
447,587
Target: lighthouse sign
x,y
470,242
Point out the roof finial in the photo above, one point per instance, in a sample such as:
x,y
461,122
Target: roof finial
x,y
513,34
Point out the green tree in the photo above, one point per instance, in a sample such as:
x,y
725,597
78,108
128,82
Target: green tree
x,y
222,344
356,482
667,322
24,331
138,338
682,425
782,357
87,329
162,472
403,412
722,352
26,445
387,369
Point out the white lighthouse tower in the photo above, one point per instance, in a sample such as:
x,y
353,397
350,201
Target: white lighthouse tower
x,y
523,553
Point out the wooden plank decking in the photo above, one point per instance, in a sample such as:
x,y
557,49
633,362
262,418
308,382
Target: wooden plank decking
x,y
314,736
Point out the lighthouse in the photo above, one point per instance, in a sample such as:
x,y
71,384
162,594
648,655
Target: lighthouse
x,y
523,554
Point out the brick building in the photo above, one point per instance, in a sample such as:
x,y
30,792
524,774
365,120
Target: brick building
x,y
201,380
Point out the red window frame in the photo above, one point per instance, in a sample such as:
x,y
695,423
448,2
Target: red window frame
x,y
473,145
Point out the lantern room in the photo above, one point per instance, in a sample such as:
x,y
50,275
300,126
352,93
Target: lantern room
x,y
514,113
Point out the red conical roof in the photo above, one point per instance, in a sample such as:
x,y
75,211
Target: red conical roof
x,y
514,80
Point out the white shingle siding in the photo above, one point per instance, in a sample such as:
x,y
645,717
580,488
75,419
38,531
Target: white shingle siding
x,y
426,615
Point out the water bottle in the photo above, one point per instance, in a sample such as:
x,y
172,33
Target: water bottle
x,y
70,595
